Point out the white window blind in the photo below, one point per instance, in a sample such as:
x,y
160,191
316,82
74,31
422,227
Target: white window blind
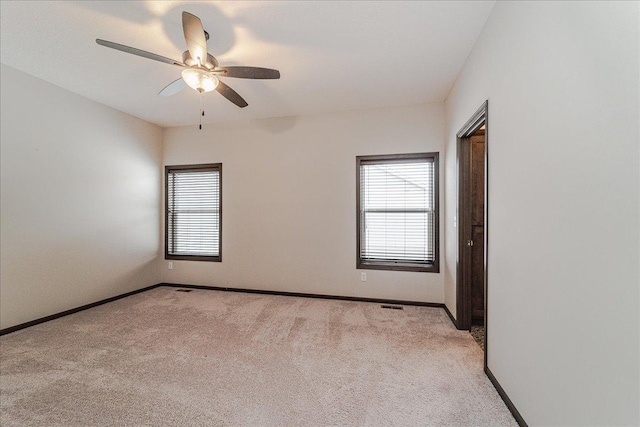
x,y
397,210
193,212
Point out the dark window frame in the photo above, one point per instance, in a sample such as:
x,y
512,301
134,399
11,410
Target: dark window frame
x,y
200,167
391,264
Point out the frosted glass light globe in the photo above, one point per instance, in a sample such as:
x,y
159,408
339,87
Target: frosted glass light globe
x,y
200,80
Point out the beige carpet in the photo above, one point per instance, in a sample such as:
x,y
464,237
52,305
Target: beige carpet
x,y
209,358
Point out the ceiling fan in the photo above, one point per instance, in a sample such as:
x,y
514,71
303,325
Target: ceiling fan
x,y
201,70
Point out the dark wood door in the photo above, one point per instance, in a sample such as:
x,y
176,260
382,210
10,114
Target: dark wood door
x,y
471,268
476,224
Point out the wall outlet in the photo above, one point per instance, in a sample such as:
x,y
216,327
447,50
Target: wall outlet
x,y
363,277
170,265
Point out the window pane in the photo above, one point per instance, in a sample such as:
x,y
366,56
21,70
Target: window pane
x,y
397,210
193,214
398,236
398,186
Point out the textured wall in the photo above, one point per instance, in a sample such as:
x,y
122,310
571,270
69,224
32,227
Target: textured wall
x,y
81,190
562,83
289,200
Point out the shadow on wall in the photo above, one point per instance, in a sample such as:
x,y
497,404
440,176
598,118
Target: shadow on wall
x,y
72,271
277,125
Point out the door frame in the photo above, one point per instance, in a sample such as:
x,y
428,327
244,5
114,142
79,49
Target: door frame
x,y
463,288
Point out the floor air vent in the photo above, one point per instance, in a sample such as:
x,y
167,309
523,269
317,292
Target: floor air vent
x,y
392,307
184,290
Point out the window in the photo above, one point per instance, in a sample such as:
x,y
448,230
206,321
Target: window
x,y
193,212
398,212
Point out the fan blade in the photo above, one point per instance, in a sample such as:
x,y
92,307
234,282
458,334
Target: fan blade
x,y
195,37
173,87
249,72
139,52
231,95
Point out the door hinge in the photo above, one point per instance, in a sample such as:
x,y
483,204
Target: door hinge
x,y
469,242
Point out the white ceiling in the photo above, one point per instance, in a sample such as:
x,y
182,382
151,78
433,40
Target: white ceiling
x,y
333,56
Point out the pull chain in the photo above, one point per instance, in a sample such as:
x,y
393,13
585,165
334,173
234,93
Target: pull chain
x,y
201,110
201,92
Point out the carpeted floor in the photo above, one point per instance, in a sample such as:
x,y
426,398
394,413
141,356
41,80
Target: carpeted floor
x,y
210,358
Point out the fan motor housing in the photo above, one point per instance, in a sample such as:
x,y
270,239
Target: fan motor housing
x,y
211,63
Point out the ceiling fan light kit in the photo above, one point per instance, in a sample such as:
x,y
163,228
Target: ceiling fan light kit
x,y
201,69
200,80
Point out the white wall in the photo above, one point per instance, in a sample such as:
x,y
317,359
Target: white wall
x,y
289,200
81,195
562,84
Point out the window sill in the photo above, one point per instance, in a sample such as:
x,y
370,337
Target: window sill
x,y
398,266
194,258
